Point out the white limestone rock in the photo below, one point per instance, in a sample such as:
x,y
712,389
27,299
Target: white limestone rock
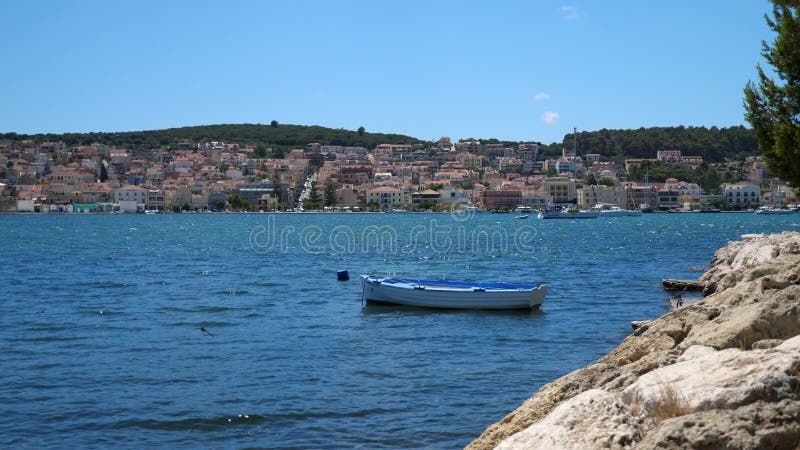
x,y
722,379
592,419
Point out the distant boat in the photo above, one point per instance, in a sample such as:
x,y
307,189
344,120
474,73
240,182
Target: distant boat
x,y
770,210
646,208
522,216
452,294
564,213
523,209
609,210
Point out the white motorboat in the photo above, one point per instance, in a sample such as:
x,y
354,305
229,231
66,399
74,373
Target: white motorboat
x,y
564,213
609,210
646,208
452,294
770,210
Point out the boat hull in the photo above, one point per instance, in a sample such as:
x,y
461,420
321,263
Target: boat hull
x,y
452,295
774,212
620,213
567,215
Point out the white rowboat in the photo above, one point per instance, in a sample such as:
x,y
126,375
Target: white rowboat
x,y
452,294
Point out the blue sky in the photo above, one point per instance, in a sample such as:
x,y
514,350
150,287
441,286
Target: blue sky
x,y
516,70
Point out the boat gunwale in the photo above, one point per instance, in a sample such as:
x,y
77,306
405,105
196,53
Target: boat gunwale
x,y
452,285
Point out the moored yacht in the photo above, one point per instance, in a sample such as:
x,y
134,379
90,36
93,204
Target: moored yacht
x,y
646,208
771,210
610,210
566,213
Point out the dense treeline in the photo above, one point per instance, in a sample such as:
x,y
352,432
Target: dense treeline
x,y
271,135
713,144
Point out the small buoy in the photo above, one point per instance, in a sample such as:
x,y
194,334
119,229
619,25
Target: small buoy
x,y
342,275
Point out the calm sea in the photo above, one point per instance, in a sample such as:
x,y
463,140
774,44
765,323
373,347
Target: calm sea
x,y
100,321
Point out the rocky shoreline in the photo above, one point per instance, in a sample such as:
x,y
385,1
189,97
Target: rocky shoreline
x,y
721,373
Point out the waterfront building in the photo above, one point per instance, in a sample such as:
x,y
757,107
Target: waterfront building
x,y
155,200
668,198
683,188
130,193
501,199
560,190
741,194
386,197
639,194
588,196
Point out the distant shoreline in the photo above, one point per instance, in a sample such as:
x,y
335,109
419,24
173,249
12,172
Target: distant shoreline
x,y
62,213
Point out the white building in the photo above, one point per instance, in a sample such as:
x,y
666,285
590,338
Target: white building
x,y
671,157
742,193
571,165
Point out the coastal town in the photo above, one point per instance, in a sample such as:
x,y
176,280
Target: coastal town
x,y
52,177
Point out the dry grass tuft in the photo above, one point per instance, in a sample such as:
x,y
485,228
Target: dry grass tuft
x,y
671,403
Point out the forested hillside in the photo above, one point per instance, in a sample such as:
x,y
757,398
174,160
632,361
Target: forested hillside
x,y
713,144
275,135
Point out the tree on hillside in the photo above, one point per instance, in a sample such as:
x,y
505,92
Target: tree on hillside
x,y
607,181
313,195
274,124
330,192
773,106
103,172
361,131
237,203
260,151
277,188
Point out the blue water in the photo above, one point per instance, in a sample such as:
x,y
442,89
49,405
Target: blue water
x,y
100,322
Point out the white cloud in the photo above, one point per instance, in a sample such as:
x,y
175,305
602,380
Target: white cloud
x,y
570,12
550,118
541,96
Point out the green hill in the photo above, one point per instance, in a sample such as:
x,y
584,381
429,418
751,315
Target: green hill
x,y
279,137
713,144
